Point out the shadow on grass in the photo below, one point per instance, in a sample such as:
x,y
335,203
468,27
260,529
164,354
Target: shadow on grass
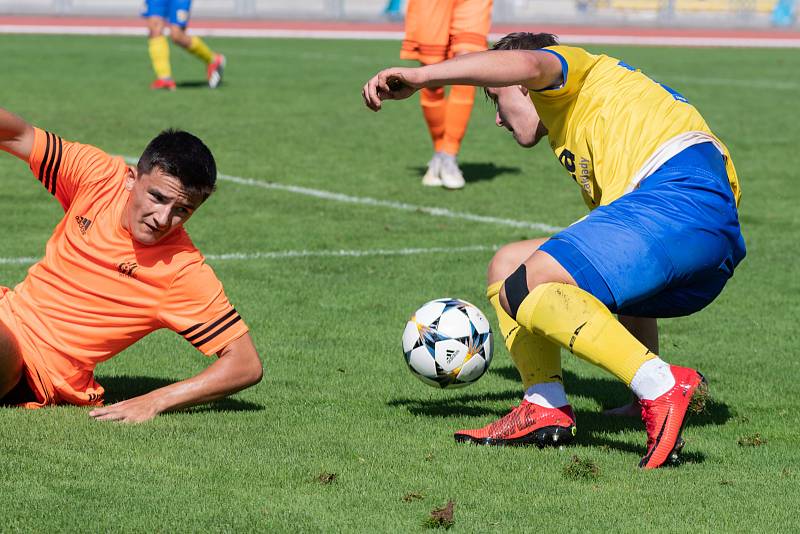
x,y
459,404
478,172
610,393
594,429
119,388
192,84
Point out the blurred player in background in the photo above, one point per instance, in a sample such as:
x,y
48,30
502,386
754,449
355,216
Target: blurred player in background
x,y
118,266
662,238
437,30
174,14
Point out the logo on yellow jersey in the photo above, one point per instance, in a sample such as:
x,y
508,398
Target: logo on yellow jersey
x,y
583,176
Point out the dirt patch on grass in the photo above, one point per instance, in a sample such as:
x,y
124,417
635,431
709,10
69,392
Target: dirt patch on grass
x,y
441,517
754,440
326,478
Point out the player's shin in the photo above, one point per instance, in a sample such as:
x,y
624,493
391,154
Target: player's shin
x,y
578,321
199,49
537,359
158,47
459,108
434,108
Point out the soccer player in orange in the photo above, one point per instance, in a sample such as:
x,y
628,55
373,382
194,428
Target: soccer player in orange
x,y
437,30
661,240
118,266
174,14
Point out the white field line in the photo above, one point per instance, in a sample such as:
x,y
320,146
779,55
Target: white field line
x,y
368,201
24,260
640,40
290,254
402,206
349,253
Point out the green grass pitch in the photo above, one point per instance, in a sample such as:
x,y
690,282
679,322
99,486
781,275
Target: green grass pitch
x,y
337,398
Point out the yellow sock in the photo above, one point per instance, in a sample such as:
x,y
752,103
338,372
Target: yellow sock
x,y
200,49
537,359
576,320
159,56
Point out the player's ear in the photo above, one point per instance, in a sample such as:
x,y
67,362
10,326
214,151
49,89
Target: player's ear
x,y
130,178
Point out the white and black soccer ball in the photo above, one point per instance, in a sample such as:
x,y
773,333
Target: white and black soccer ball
x,y
448,343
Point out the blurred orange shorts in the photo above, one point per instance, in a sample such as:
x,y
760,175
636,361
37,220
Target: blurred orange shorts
x,y
439,29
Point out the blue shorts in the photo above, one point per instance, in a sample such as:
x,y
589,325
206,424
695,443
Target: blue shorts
x,y
665,249
174,11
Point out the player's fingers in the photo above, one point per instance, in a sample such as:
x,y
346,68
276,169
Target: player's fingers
x,y
381,82
113,416
374,101
367,98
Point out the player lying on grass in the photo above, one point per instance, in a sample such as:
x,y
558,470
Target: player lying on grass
x,y
118,266
662,238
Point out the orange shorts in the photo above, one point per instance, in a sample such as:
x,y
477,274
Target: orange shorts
x,y
439,29
50,379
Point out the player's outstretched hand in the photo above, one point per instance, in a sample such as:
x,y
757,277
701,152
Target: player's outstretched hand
x,y
395,83
135,410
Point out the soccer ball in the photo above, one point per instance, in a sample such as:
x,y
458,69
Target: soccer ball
x,y
448,343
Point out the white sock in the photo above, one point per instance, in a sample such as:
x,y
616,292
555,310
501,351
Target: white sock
x,y
652,380
547,395
445,156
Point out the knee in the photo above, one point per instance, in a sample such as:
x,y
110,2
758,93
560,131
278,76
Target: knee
x,y
11,364
540,269
155,27
509,257
500,266
178,36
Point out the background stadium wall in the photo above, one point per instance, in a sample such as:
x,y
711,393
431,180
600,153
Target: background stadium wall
x,y
722,13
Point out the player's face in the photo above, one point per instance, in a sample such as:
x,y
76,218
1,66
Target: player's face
x,y
158,205
515,112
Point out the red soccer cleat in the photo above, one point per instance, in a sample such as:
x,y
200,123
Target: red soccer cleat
x,y
164,83
665,417
215,69
527,424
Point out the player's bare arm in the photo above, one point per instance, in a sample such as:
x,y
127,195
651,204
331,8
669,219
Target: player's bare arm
x,y
494,68
16,135
237,367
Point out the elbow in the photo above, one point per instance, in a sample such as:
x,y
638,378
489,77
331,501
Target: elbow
x,y
255,372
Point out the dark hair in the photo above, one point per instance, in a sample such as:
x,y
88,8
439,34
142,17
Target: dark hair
x,y
183,156
525,41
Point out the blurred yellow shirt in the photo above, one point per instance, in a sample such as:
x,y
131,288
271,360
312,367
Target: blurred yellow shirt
x,y
611,126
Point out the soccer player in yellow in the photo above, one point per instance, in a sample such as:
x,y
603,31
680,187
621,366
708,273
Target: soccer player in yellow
x,y
175,15
662,238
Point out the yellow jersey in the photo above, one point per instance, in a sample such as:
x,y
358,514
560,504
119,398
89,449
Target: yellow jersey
x,y
611,126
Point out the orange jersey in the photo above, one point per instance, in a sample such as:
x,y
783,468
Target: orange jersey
x,y
97,291
438,29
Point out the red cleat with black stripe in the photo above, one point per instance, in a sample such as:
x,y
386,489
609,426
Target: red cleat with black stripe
x,y
665,417
215,70
527,424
